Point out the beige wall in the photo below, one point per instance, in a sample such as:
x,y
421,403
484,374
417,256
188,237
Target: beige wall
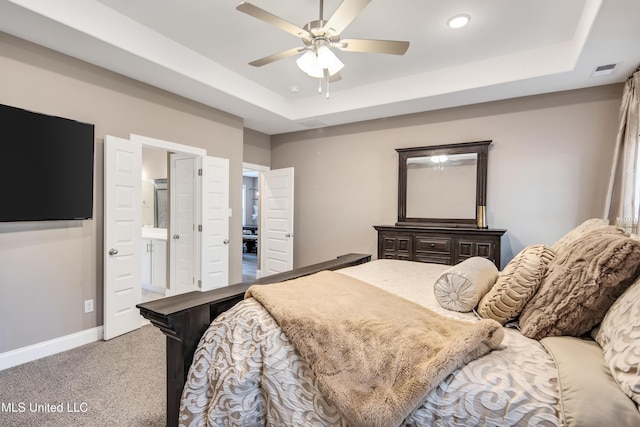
x,y
154,163
257,148
48,269
548,169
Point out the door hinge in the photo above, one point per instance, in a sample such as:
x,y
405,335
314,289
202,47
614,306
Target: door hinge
x,y
200,284
200,228
200,172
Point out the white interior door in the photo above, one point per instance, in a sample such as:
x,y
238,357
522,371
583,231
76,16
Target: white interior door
x,y
276,221
215,215
122,236
182,227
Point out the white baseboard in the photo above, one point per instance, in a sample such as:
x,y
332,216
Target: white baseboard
x,y
48,348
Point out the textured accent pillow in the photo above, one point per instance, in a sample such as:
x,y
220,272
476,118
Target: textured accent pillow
x,y
516,284
579,231
461,287
582,283
619,337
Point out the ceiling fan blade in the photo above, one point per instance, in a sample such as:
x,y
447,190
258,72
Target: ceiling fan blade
x,y
272,19
276,56
392,47
335,78
344,15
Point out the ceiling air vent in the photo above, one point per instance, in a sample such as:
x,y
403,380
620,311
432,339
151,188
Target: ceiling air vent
x,y
313,123
604,70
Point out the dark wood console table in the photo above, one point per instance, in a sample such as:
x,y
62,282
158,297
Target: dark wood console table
x,y
441,245
184,318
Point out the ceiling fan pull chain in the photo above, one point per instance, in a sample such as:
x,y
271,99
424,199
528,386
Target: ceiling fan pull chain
x,y
326,74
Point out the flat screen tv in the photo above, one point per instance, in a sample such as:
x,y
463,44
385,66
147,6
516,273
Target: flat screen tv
x,y
46,167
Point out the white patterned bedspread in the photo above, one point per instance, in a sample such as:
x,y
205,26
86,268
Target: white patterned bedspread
x,y
247,373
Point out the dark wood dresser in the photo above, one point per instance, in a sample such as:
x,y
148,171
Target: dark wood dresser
x,y
441,245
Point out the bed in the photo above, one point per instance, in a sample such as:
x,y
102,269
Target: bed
x,y
545,339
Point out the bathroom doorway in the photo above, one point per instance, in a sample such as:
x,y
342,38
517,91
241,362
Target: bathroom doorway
x,y
155,217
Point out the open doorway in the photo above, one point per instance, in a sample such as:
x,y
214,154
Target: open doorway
x,y
267,209
251,206
155,217
168,262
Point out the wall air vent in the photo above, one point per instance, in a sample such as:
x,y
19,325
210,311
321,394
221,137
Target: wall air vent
x,y
604,70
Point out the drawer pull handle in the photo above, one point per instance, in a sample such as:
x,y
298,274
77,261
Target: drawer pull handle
x,y
433,245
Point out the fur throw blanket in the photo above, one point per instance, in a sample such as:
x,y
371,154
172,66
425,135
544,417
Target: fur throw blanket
x,y
375,355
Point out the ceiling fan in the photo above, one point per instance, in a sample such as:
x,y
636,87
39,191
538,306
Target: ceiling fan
x,y
320,36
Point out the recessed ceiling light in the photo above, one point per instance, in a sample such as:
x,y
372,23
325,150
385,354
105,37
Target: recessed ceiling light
x,y
458,21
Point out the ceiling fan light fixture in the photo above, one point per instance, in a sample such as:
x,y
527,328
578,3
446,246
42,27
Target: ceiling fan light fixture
x,y
458,21
307,61
320,37
314,63
327,59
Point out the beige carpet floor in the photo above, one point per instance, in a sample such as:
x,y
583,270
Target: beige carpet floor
x,y
120,382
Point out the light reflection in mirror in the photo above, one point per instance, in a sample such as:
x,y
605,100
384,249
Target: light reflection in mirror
x,y
442,186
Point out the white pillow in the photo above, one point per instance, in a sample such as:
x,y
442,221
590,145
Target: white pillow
x,y
461,287
619,337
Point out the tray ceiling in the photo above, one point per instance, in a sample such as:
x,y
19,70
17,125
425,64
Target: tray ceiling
x,y
201,50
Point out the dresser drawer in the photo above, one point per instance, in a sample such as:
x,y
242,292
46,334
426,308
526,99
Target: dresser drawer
x,y
395,247
433,259
469,248
433,245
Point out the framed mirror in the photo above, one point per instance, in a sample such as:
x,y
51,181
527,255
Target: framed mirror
x,y
443,185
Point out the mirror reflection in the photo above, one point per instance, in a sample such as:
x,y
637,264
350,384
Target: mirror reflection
x,y
443,185
155,207
448,180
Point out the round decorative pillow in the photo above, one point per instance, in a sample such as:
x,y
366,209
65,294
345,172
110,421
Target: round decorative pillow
x,y
461,287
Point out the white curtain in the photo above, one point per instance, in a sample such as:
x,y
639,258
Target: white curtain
x,y
623,197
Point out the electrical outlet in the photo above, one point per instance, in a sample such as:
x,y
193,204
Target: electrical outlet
x,y
88,306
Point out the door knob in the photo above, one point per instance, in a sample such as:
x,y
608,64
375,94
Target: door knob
x,y
288,235
176,236
113,251
225,241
